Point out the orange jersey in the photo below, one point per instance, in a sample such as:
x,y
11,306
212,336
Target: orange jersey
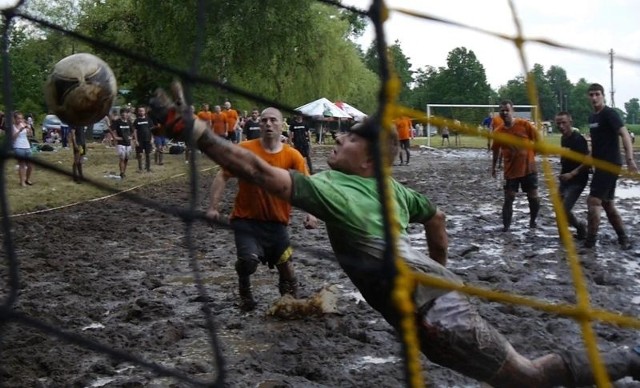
x,y
403,126
518,162
496,121
253,202
232,118
205,116
219,123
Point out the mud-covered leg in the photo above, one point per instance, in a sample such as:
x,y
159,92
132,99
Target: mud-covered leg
x,y
288,283
245,267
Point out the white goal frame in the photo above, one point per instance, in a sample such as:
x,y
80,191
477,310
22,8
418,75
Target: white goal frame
x,y
429,106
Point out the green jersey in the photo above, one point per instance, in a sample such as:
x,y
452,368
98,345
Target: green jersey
x,y
352,203
351,209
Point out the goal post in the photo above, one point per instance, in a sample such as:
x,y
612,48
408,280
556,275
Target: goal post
x,y
533,108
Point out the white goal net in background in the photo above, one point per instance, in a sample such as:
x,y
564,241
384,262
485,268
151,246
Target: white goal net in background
x,y
473,115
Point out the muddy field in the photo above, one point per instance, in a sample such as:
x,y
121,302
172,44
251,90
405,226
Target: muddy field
x,y
119,273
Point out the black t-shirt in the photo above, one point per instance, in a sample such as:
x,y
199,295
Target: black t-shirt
x,y
142,126
604,127
251,129
122,128
300,133
575,142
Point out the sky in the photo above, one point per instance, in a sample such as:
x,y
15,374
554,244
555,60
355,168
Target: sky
x,y
589,24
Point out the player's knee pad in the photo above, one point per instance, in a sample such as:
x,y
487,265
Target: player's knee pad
x,y
246,266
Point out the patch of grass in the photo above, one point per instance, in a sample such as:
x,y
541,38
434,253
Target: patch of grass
x,y
467,141
52,189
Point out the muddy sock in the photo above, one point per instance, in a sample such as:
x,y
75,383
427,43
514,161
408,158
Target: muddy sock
x,y
247,302
147,162
288,283
80,175
139,163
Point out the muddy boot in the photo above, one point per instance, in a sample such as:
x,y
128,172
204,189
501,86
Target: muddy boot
x,y
581,231
139,162
147,162
590,241
534,208
247,303
288,283
507,214
160,155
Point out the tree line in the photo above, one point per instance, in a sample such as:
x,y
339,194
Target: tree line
x,y
289,52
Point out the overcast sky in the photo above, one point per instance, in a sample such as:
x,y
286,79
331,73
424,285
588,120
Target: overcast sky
x,y
598,25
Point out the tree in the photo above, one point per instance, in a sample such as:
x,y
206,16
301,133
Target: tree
x,y
561,87
399,64
633,111
547,102
580,106
246,43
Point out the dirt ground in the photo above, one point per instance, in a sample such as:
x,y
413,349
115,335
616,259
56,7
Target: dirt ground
x,y
119,273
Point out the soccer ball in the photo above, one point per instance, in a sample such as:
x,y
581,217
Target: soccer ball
x,y
81,89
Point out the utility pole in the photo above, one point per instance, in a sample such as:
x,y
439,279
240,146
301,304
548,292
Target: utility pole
x,y
613,104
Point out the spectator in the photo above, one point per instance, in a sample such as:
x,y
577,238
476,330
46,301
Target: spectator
x,y
22,148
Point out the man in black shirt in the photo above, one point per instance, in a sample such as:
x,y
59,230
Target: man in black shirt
x,y
142,134
251,127
606,128
299,131
573,175
121,132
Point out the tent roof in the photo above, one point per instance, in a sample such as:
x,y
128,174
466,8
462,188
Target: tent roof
x,y
322,107
357,114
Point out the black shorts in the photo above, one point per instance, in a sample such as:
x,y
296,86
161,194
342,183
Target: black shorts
x,y
303,149
445,136
603,185
527,182
143,146
268,241
405,144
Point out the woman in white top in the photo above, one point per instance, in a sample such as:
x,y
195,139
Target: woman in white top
x,y
22,148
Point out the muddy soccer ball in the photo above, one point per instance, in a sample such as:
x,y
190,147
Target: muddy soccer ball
x,y
80,89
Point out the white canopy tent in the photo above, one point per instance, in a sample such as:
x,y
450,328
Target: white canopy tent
x,y
357,114
322,107
322,110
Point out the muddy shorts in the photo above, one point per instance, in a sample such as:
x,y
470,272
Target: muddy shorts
x,y
603,185
268,241
527,182
454,335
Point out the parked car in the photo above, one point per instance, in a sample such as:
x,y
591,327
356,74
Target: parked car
x,y
100,129
50,124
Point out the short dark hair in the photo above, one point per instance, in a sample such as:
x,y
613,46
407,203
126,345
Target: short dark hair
x,y
506,102
564,113
368,129
595,88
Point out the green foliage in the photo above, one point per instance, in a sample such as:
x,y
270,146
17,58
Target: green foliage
x,y
633,111
291,52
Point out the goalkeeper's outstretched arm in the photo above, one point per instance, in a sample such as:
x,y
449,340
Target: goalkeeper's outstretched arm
x,y
175,122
